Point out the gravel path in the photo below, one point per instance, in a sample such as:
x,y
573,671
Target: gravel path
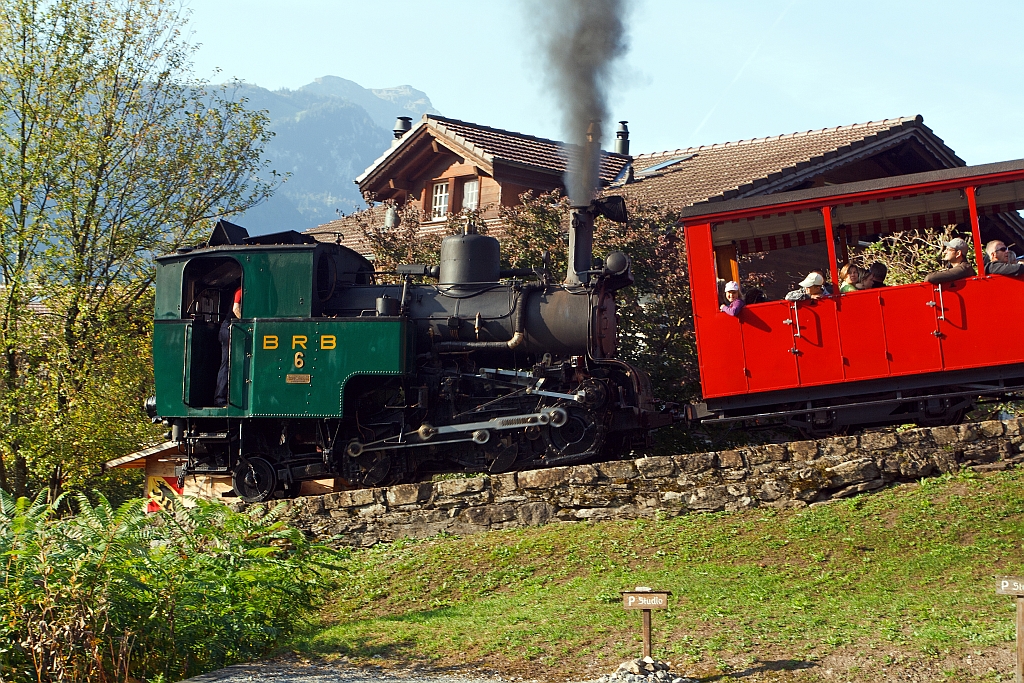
x,y
337,672
298,671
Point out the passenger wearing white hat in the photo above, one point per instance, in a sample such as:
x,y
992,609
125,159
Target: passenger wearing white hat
x,y
732,295
955,255
811,287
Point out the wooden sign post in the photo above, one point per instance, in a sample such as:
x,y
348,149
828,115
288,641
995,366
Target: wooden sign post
x,y
1011,585
643,598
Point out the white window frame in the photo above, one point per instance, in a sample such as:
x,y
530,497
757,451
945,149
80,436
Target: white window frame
x,y
439,201
467,203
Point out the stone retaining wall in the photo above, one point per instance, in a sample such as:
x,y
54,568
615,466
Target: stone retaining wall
x,y
793,474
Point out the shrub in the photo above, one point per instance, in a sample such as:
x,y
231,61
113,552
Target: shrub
x,y
114,594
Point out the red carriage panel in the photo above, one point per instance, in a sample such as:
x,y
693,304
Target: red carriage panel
x,y
816,339
973,318
910,325
719,342
768,346
725,368
862,335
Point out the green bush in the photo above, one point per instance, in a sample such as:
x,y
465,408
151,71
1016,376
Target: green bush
x,y
115,594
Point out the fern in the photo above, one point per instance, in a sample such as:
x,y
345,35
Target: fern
x,y
194,587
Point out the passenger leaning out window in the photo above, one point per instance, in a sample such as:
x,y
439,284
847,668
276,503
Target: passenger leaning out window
x,y
733,298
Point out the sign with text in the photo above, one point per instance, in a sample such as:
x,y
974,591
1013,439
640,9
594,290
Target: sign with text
x,y
1009,585
645,600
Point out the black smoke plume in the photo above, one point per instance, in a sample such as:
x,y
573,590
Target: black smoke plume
x,y
581,40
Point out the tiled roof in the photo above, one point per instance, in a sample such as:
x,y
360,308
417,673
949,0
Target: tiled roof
x,y
764,165
348,231
492,145
518,148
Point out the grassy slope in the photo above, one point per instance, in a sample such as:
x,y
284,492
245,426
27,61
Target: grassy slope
x,y
898,580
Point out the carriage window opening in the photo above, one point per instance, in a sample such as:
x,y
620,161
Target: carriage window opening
x,y
471,195
439,203
208,287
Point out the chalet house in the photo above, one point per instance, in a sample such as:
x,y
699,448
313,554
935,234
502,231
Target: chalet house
x,y
443,165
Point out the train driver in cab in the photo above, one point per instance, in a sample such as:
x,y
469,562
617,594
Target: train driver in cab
x,y
998,262
220,397
955,256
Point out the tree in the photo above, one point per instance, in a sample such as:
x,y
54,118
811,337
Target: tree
x,y
110,152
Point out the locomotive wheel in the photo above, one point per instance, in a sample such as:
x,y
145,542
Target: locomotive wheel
x,y
254,480
376,469
580,435
504,459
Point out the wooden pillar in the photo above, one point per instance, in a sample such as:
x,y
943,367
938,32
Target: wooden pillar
x,y
647,630
726,263
844,246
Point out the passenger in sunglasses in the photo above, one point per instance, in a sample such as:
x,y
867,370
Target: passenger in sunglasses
x,y
999,262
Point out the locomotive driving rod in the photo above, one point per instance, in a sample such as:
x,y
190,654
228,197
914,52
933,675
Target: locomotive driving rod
x,y
556,417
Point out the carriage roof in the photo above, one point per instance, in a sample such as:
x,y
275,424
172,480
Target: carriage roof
x,y
918,200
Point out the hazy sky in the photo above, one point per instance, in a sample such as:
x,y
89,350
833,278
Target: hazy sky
x,y
696,72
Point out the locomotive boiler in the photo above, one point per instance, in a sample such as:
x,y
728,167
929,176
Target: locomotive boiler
x,y
334,374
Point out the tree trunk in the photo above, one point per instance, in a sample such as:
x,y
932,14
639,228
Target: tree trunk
x,y
20,474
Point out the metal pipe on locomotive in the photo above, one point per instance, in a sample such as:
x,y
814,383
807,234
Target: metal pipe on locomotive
x,y
335,375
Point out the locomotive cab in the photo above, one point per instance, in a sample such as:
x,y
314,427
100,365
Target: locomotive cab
x,y
208,287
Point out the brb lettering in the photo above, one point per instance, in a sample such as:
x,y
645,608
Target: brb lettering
x,y
326,342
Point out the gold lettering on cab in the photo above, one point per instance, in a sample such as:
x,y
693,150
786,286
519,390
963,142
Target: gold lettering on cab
x,y
645,600
326,342
296,378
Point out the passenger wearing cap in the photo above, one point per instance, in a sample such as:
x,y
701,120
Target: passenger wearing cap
x,y
999,262
955,255
810,288
732,295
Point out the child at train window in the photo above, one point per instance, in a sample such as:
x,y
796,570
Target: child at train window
x,y
732,296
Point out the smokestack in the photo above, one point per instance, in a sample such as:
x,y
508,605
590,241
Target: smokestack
x,y
581,245
403,124
622,139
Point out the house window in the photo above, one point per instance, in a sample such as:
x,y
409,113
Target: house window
x,y
471,194
439,205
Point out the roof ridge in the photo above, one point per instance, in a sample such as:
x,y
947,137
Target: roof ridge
x,y
891,123
442,120
445,119
476,149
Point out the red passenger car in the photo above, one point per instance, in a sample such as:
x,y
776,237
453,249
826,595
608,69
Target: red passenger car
x,y
911,353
